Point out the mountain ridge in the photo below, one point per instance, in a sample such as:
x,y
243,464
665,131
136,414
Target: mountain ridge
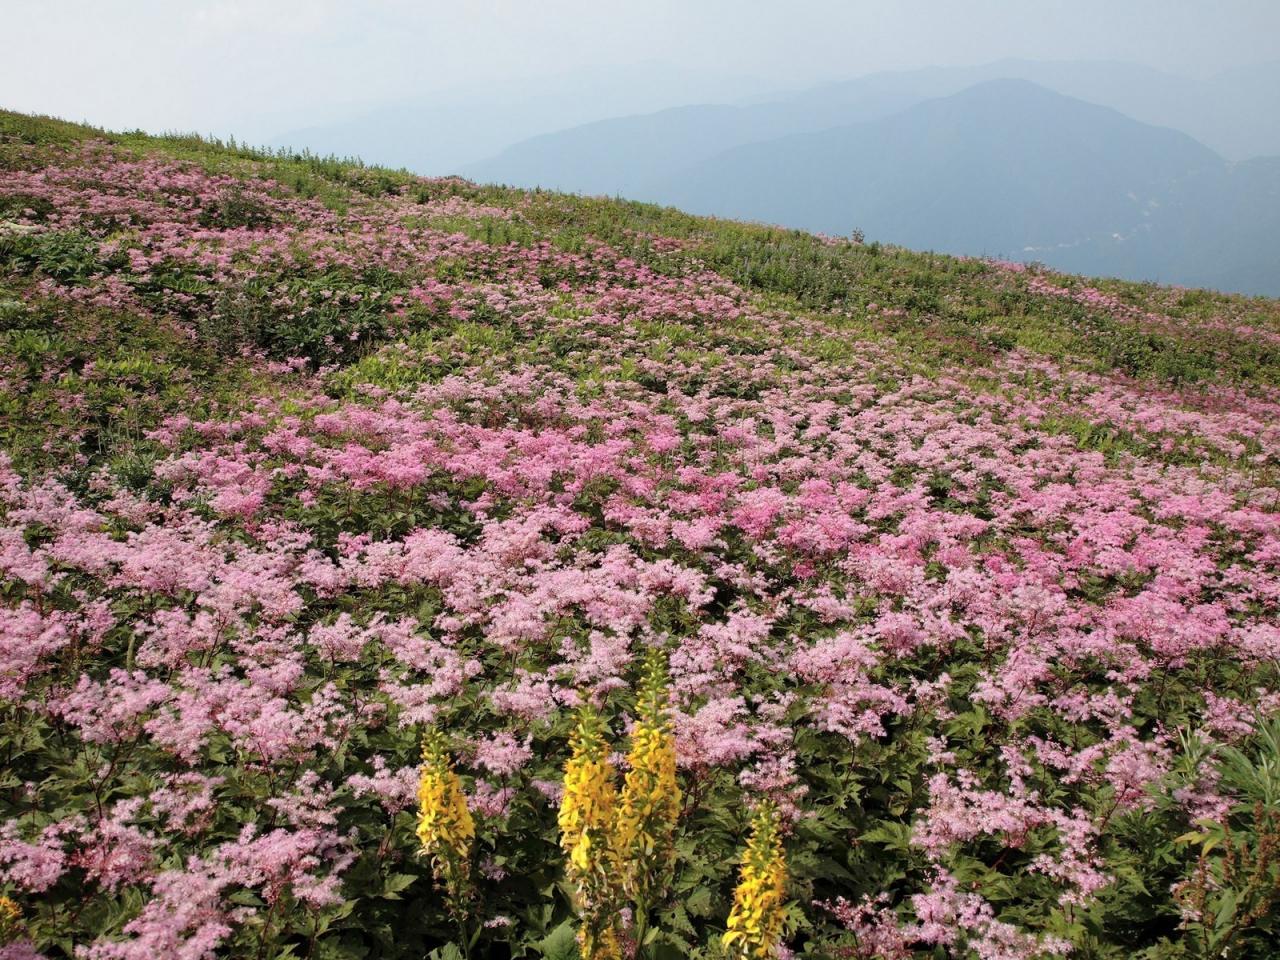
x,y
946,147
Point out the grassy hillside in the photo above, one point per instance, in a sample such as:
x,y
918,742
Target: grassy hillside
x,y
960,578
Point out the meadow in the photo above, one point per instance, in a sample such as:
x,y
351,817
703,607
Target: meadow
x,y
397,568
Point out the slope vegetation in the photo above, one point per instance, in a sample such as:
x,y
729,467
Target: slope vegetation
x,y
962,575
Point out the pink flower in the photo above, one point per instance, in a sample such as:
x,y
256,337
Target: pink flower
x,y
502,754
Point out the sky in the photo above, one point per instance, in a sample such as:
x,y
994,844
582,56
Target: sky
x,y
256,67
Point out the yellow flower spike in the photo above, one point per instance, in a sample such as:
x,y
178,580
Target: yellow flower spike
x,y
755,922
586,813
605,946
445,827
10,919
649,806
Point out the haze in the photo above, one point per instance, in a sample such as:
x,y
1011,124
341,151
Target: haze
x,y
262,68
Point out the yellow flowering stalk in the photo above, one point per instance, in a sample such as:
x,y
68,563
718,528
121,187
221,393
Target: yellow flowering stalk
x,y
755,922
445,827
586,814
645,825
10,919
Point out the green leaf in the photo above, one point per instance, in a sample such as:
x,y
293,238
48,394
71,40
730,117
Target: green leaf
x,y
396,883
893,834
699,903
667,951
561,943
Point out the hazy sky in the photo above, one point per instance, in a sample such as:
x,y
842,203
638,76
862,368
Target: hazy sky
x,y
255,66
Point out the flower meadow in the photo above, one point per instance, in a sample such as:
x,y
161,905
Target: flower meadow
x,y
402,568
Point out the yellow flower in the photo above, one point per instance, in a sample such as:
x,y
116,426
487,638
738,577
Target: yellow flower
x,y
755,922
445,827
10,919
604,946
586,813
644,828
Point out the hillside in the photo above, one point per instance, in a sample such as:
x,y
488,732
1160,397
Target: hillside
x,y
332,496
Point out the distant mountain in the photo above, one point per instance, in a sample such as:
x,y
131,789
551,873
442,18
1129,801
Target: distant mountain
x,y
1010,169
1236,113
438,133
1214,229
1005,168
628,155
